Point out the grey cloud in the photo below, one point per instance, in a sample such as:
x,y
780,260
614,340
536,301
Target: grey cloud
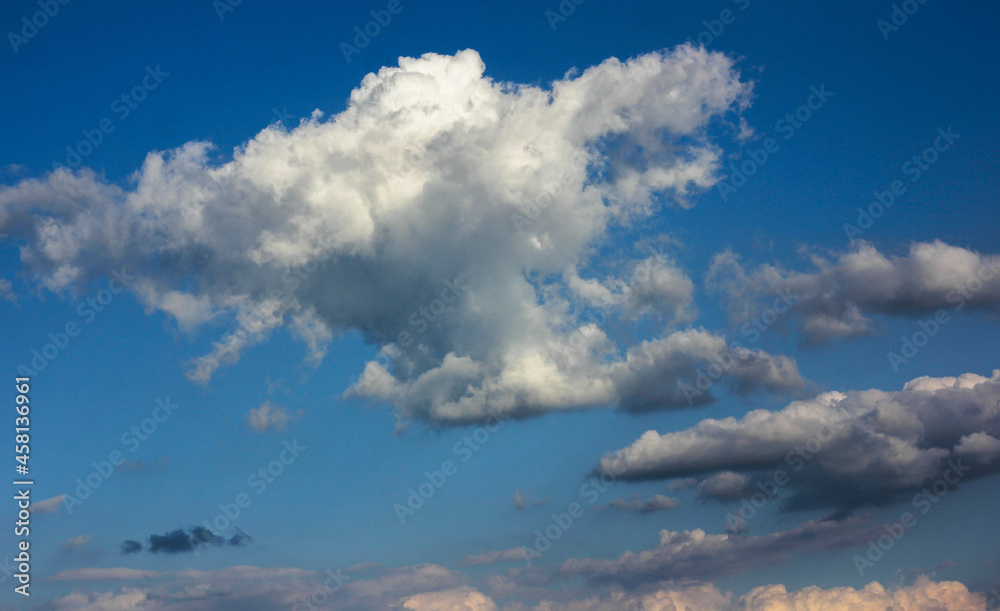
x,y
658,502
698,555
839,450
843,291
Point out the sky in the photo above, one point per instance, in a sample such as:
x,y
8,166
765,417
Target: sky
x,y
528,306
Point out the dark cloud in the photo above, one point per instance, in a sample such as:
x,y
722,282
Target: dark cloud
x,y
185,540
131,547
634,504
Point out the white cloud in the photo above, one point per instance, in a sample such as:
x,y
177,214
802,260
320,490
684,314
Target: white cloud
x,y
270,417
51,505
433,172
74,543
923,595
455,599
434,588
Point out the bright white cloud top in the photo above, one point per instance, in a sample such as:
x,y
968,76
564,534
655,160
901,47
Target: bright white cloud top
x,y
447,217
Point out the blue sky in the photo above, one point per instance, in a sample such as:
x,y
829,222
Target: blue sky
x,y
270,274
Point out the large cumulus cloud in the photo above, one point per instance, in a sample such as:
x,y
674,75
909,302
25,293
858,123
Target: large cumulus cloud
x,y
450,219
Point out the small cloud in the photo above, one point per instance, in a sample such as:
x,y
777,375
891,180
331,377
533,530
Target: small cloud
x,y
683,483
48,505
130,547
276,386
514,554
7,289
270,417
633,504
240,539
98,574
525,501
73,544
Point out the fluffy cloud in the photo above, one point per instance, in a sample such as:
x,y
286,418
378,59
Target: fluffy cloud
x,y
838,449
448,218
270,417
655,374
698,555
923,595
726,486
656,285
434,588
70,545
522,501
837,298
456,599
